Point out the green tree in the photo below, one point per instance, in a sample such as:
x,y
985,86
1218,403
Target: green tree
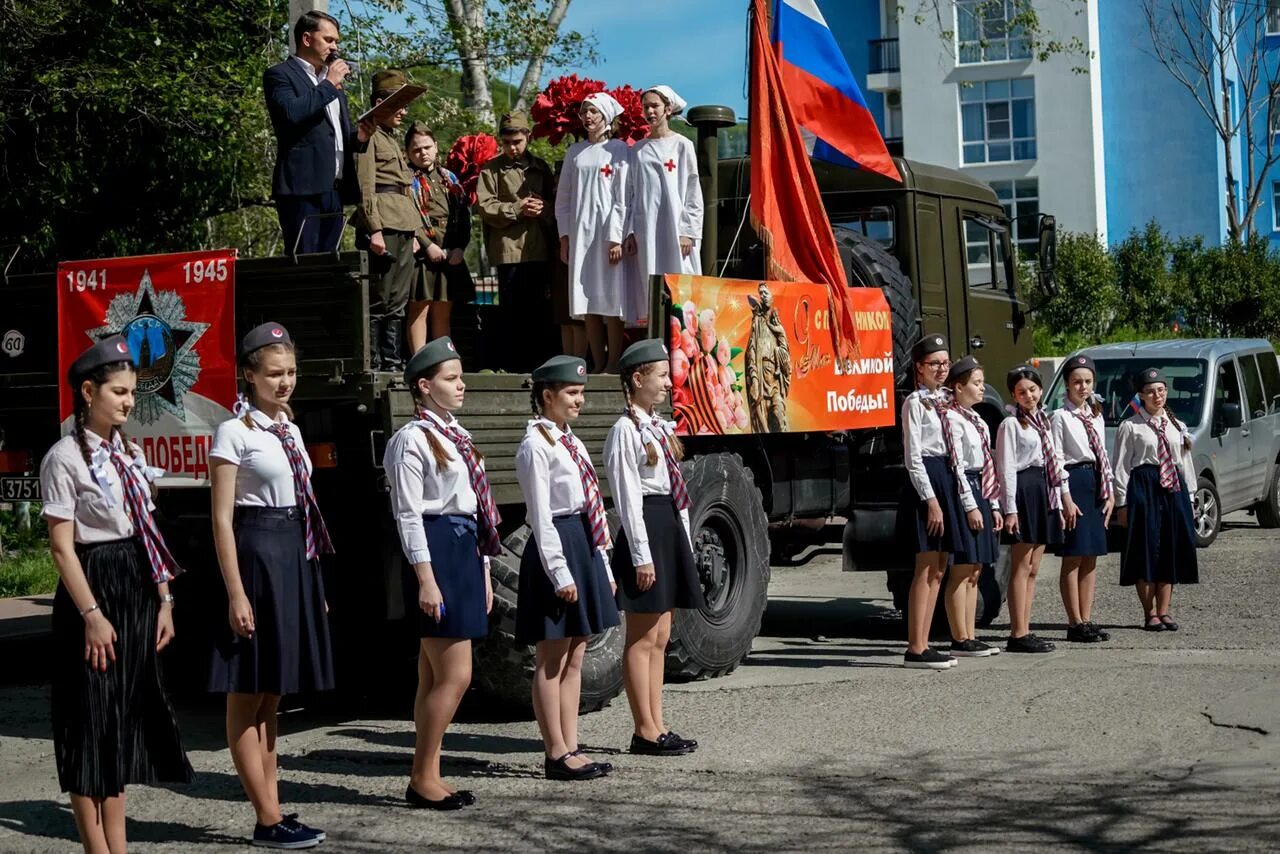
x,y
1149,294
1084,303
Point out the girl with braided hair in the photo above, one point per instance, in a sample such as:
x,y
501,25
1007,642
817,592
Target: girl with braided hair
x,y
1035,496
112,614
653,558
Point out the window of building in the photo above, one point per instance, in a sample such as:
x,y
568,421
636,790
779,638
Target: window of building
x,y
985,249
1275,205
986,32
1021,200
1273,17
1275,114
998,120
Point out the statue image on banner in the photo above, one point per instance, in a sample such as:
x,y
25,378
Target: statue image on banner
x,y
768,366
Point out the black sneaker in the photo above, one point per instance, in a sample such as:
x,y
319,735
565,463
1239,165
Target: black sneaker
x,y
930,659
292,820
1029,643
282,835
1082,633
970,649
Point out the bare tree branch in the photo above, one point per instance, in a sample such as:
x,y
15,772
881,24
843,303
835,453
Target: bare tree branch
x,y
533,71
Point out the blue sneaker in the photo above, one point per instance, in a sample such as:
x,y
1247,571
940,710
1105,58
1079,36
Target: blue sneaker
x,y
292,820
285,834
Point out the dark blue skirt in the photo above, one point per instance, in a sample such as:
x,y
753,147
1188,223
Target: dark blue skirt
x,y
1089,537
980,547
1038,523
459,573
289,651
676,583
913,511
540,613
1160,544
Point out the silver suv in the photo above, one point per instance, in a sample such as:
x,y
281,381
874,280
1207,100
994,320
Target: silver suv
x,y
1227,392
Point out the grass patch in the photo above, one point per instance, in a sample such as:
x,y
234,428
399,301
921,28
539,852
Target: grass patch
x,y
28,573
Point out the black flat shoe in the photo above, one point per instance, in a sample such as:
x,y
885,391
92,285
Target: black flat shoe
x,y
690,743
468,799
557,769
664,746
1153,624
418,802
1168,623
605,767
1102,634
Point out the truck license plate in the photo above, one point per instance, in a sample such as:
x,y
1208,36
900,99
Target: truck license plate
x,y
19,488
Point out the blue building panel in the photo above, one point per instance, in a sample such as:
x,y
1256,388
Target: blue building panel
x,y
855,23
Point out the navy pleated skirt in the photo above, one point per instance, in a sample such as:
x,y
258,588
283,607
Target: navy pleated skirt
x,y
913,511
114,728
459,573
1038,523
1160,544
540,613
980,547
1089,537
676,583
289,651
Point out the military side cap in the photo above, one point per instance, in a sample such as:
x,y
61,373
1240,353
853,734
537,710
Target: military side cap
x,y
514,122
642,353
931,343
1149,377
262,336
1023,372
388,81
108,351
561,369
1081,362
432,354
962,367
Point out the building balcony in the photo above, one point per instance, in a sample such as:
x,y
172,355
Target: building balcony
x,y
883,70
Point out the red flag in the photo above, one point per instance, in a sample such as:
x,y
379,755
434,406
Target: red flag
x,y
786,207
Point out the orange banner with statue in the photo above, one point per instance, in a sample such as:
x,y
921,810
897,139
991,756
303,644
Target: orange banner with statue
x,y
758,357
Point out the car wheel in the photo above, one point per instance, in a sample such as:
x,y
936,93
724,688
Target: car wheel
x,y
1207,512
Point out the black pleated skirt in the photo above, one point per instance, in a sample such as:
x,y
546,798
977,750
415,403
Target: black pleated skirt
x,y
459,573
980,547
1089,537
1038,523
1160,544
913,511
289,651
540,613
114,728
676,583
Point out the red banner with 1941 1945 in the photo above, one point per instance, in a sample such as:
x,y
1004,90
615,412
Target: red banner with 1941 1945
x,y
177,314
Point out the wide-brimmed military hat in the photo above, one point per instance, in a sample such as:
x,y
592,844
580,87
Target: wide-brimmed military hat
x,y
263,335
962,367
931,343
431,354
108,351
1023,372
561,369
1150,376
642,353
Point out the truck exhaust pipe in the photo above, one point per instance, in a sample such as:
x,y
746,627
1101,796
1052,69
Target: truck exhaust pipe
x,y
709,119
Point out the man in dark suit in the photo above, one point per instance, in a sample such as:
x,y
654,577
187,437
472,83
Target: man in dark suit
x,y
315,137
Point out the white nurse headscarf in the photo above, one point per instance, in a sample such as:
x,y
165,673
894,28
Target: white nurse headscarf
x,y
606,104
677,103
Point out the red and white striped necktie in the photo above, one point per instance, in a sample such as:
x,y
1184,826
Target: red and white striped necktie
x,y
591,489
1168,471
1100,461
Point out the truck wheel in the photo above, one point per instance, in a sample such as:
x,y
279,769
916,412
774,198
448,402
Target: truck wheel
x,y
505,671
870,265
1268,509
731,549
1207,511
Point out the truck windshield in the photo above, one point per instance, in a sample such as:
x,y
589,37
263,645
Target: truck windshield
x,y
876,223
1115,384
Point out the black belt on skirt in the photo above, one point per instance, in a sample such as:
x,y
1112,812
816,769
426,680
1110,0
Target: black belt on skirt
x,y
247,513
83,549
973,472
579,514
1082,465
397,189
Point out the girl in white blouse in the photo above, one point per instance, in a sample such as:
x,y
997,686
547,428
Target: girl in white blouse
x,y
1035,496
653,558
1080,432
448,525
112,613
968,442
1155,474
566,588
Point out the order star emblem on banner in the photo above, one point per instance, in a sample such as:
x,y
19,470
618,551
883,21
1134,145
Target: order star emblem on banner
x,y
162,342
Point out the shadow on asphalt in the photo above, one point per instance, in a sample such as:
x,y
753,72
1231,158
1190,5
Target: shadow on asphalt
x,y
53,820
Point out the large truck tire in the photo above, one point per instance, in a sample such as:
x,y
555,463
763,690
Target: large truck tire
x,y
993,586
870,265
731,550
504,671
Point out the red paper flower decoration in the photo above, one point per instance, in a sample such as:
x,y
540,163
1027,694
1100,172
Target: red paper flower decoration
x,y
555,110
467,155
631,125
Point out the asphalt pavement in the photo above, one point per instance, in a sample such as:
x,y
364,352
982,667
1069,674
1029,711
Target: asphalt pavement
x,y
820,741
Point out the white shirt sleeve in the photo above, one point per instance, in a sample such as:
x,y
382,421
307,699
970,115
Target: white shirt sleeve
x,y
57,488
228,442
533,470
618,214
960,432
566,193
622,465
1188,463
405,472
913,413
1120,459
691,216
1007,464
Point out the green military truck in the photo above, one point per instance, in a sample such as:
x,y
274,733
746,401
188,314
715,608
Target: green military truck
x,y
938,246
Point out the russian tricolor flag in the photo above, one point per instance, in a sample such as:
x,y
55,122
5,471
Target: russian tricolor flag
x,y
821,89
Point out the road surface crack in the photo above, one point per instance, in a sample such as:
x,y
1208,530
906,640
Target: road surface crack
x,y
1259,730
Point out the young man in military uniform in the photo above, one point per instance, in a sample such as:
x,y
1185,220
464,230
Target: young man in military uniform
x,y
516,199
385,224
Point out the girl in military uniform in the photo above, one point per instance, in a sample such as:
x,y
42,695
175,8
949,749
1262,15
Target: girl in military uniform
x,y
448,524
566,587
441,277
1080,432
269,536
1154,474
112,612
968,442
930,512
653,558
1036,498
